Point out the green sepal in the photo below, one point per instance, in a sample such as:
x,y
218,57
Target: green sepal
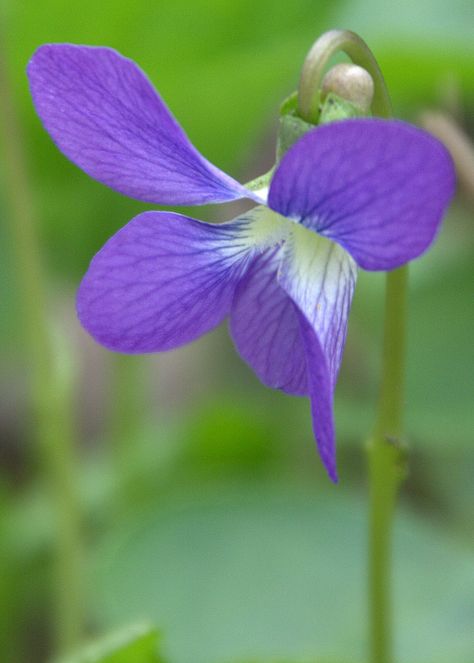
x,y
261,182
290,104
336,108
290,129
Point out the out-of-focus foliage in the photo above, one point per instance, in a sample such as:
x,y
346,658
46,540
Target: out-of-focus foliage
x,y
206,510
278,570
137,644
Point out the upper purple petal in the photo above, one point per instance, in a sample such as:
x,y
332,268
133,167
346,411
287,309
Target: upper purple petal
x,y
265,327
377,187
104,114
320,276
161,281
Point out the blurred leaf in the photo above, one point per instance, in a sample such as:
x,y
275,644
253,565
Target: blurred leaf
x,y
230,433
451,490
421,46
271,571
428,20
135,644
286,660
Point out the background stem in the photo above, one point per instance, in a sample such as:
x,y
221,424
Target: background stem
x,y
127,403
49,376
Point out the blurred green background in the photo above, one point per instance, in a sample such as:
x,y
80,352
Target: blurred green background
x,y
202,504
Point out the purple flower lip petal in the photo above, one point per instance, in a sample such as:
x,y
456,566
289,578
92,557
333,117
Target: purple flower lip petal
x,y
319,277
105,116
363,191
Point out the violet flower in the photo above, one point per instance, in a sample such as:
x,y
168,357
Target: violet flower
x,y
362,192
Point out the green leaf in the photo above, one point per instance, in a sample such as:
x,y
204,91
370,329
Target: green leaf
x,y
135,644
277,571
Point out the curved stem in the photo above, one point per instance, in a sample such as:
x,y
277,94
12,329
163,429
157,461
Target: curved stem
x,y
314,66
49,377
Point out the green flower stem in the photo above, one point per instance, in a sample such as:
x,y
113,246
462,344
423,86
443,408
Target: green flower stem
x,y
49,376
389,420
386,467
385,453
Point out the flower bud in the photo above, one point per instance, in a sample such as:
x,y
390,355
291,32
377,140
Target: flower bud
x,y
350,82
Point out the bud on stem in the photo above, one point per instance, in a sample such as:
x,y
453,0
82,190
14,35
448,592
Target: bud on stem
x,y
330,43
350,82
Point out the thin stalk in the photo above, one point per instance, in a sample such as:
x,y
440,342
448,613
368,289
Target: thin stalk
x,y
386,467
49,379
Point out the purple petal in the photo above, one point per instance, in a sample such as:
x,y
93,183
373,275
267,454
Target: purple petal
x,y
319,276
265,327
377,187
322,398
104,114
162,281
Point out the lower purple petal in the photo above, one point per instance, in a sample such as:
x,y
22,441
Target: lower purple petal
x,y
162,281
319,276
321,391
265,327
